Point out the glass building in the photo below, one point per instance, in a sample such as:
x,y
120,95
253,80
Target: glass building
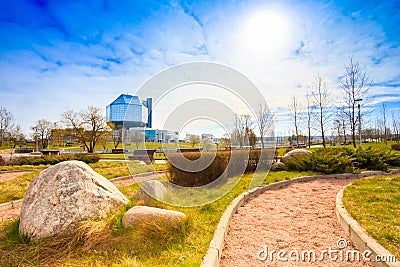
x,y
129,111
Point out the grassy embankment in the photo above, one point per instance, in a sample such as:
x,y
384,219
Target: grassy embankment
x,y
375,204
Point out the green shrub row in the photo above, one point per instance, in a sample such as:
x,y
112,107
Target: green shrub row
x,y
53,159
341,160
222,164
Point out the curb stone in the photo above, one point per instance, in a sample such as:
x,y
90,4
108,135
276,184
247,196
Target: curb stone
x,y
214,253
359,236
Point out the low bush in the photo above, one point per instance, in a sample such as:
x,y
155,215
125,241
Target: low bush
x,y
225,164
54,159
341,160
371,159
183,176
325,161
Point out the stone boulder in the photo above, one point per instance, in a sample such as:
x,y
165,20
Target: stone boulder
x,y
150,190
293,154
278,166
64,194
137,215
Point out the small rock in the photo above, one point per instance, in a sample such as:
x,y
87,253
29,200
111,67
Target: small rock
x,y
278,166
293,154
143,214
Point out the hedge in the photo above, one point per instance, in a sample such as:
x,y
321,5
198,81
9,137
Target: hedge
x,y
341,160
226,164
53,159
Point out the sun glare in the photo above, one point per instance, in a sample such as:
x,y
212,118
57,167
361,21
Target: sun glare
x,y
265,32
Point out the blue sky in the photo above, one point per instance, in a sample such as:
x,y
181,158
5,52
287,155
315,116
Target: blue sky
x,y
59,55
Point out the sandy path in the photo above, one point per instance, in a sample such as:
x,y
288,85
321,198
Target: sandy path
x,y
298,217
6,176
138,178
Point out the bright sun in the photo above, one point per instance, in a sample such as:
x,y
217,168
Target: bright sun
x,y
265,32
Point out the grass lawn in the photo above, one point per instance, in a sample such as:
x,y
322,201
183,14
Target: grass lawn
x,y
22,167
106,243
15,189
375,204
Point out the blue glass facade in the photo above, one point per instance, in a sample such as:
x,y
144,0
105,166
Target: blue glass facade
x,y
127,110
150,135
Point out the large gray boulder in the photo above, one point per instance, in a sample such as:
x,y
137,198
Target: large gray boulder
x,y
64,194
144,214
293,154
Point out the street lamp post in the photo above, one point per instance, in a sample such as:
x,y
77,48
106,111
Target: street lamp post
x,y
359,118
36,139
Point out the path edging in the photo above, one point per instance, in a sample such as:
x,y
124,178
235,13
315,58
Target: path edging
x,y
214,252
359,236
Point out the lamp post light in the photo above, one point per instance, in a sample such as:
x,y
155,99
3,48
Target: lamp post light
x,y
359,117
36,139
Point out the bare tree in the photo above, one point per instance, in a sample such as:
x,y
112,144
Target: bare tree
x,y
237,133
322,102
252,138
295,110
265,122
16,136
355,85
240,135
117,133
136,136
309,114
396,126
6,123
337,126
88,125
194,139
43,129
225,141
342,117
105,139
384,122
208,145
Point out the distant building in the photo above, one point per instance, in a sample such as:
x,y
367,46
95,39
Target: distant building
x,y
210,137
129,111
153,135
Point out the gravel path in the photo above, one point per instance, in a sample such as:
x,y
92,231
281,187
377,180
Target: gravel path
x,y
6,176
296,218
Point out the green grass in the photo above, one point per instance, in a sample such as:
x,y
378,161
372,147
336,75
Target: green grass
x,y
111,169
375,204
16,188
23,167
105,243
112,156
